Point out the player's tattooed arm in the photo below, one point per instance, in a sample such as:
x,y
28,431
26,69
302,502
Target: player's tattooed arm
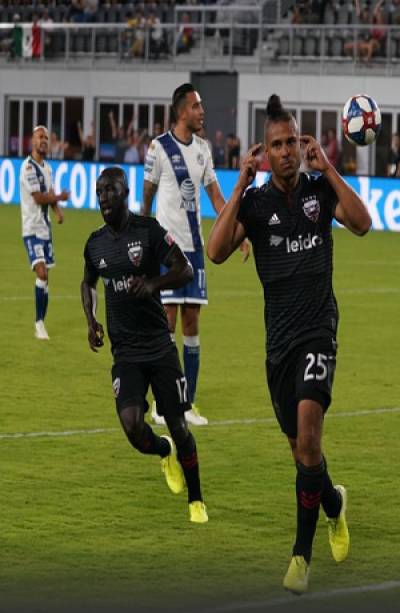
x,y
89,303
179,273
149,190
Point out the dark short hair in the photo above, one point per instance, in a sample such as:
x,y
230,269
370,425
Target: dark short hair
x,y
275,112
116,174
179,95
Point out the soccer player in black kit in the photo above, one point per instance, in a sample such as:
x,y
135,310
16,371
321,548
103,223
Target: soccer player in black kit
x,y
126,253
288,220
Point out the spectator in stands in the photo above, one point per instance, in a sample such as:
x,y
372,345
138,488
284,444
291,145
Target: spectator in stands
x,y
119,138
90,8
218,150
393,167
395,19
369,41
144,143
298,13
157,130
57,147
88,143
10,43
138,24
157,45
332,148
76,12
233,151
185,35
132,153
46,20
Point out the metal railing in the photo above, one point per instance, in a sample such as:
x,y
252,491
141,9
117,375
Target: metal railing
x,y
229,45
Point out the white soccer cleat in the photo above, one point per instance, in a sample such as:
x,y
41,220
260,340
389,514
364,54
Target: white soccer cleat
x,y
193,417
40,331
156,418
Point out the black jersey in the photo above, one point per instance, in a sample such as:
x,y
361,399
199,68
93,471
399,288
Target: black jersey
x,y
137,327
292,242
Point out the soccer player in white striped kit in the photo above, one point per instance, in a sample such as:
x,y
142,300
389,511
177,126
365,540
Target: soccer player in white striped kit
x,y
37,194
177,163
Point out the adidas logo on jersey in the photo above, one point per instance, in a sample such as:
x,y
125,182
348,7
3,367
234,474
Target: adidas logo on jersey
x,y
102,263
274,221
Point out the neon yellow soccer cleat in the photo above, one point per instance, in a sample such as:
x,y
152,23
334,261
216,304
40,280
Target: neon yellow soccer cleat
x,y
338,532
172,469
198,512
296,578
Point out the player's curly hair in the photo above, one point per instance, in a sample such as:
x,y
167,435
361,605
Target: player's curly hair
x,y
276,112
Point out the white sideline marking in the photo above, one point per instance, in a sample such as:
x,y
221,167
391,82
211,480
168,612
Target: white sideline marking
x,y
284,600
222,422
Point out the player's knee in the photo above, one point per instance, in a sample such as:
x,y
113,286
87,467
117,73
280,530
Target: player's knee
x,y
178,429
41,273
132,421
308,447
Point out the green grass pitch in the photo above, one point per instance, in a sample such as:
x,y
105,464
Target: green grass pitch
x,y
87,523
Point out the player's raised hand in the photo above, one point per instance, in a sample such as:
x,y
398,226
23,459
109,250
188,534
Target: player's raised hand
x,y
95,336
314,155
249,166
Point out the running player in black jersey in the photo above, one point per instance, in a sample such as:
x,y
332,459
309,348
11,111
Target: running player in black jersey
x,y
126,253
288,220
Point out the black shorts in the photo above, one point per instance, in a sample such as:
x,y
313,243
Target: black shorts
x,y
131,382
306,373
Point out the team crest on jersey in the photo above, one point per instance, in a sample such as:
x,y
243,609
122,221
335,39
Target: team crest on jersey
x,y
200,159
135,253
116,386
311,208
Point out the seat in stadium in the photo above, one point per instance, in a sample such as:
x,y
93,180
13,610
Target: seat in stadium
x,y
101,43
112,42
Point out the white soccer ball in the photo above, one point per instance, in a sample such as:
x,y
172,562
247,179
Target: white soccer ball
x,y
361,120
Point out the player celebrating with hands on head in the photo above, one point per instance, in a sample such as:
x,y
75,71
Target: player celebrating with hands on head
x,y
127,253
288,220
37,194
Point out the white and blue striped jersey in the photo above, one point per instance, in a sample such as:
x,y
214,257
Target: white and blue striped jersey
x,y
174,202
33,178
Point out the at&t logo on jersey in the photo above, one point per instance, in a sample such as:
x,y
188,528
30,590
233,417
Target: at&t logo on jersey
x,y
303,243
188,193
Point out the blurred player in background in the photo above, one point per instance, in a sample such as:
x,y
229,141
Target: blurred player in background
x,y
288,220
177,163
37,195
127,253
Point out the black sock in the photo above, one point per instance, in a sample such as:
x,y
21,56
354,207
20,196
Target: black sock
x,y
149,443
331,500
187,456
309,484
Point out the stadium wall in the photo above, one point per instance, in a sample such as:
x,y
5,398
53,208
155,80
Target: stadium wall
x,y
381,195
312,90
